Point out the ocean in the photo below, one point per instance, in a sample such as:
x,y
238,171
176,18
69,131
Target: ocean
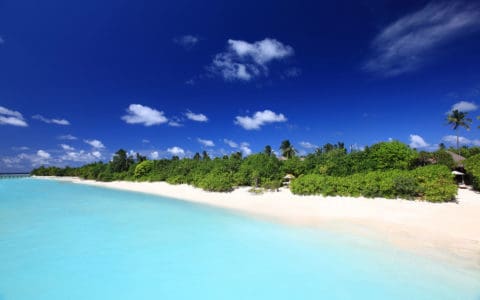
x,y
60,240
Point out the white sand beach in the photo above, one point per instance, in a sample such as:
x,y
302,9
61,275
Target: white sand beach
x,y
450,230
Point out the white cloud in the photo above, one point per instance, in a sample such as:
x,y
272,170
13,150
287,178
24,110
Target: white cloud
x,y
50,121
196,117
11,117
230,143
404,45
174,124
464,106
176,151
259,119
187,41
67,137
244,60
245,148
154,155
95,144
81,156
452,140
242,147
418,142
139,114
206,143
308,145
67,147
43,154
145,141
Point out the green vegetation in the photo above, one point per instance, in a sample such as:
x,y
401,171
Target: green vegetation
x,y
432,183
472,166
387,169
458,119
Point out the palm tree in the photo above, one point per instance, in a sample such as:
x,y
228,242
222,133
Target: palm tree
x,y
459,119
287,149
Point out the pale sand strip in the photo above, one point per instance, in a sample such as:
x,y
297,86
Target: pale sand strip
x,y
450,230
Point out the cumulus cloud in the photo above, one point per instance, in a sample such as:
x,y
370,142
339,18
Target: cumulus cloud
x,y
230,143
175,122
140,114
404,45
51,121
243,147
67,147
154,155
244,61
418,142
308,145
464,106
95,144
11,117
206,143
196,117
67,137
259,119
81,156
43,154
187,41
452,140
176,151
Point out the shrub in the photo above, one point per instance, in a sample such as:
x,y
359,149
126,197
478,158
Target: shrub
x,y
272,185
215,182
143,168
432,183
472,166
406,187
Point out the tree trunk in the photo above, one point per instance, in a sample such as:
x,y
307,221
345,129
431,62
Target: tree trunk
x,y
458,146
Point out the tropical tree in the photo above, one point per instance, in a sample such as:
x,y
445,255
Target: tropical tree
x,y
205,155
196,156
268,150
458,119
287,149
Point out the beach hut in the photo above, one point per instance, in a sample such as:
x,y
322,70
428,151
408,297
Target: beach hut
x,y
458,159
458,173
287,179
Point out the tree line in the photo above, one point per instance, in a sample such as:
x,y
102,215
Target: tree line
x,y
265,169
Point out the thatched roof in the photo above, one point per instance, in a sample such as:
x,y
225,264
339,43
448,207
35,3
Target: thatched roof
x,y
457,158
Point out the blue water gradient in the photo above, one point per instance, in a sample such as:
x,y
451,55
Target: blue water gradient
x,y
65,241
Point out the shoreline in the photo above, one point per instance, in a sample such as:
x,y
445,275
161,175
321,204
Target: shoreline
x,y
441,230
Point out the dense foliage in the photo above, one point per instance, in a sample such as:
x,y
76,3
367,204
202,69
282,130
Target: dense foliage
x,y
432,183
387,169
472,166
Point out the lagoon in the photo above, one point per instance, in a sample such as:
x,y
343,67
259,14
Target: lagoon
x,y
60,240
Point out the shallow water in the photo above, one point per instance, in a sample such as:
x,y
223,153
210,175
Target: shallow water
x,y
60,240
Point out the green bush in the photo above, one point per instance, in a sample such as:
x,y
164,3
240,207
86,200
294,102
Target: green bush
x,y
472,166
215,182
432,183
436,183
143,168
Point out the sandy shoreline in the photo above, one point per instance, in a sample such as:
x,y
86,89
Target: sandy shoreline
x,y
447,230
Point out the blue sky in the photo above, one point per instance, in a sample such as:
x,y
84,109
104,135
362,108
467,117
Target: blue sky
x,y
79,80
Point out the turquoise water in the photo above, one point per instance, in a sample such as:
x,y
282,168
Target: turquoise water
x,y
66,241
